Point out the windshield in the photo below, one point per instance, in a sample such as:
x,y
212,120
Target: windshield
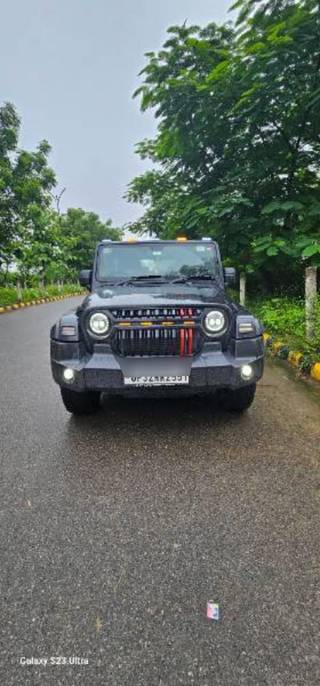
x,y
167,260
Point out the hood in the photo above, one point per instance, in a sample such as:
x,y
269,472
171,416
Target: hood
x,y
161,295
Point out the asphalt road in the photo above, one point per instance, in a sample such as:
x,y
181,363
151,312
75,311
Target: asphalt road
x,y
117,529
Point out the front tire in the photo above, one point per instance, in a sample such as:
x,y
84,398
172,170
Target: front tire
x,y
80,403
240,399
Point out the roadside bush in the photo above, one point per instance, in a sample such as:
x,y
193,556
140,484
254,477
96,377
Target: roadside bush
x,y
285,318
9,296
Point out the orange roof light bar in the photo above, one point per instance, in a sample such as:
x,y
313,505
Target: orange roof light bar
x,y
181,239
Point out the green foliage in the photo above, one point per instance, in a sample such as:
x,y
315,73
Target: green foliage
x,y
26,182
10,296
34,237
285,318
237,146
79,232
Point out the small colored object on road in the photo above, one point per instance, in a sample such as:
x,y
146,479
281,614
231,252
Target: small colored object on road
x,y
213,611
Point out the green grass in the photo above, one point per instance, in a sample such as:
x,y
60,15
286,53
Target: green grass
x,y
284,318
9,296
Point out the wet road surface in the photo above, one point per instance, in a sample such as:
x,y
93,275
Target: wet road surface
x,y
116,529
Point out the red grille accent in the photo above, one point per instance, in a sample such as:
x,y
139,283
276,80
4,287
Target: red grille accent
x,y
190,341
186,342
182,337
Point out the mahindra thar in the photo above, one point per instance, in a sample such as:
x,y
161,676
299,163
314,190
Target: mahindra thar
x,y
157,320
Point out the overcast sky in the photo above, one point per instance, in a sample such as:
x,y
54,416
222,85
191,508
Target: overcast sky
x,y
70,67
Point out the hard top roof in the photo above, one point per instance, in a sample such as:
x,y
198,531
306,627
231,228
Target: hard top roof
x,y
134,241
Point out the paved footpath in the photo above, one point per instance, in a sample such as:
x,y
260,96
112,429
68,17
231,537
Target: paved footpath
x,y
117,529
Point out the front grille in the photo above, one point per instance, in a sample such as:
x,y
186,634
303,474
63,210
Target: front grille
x,y
138,342
157,331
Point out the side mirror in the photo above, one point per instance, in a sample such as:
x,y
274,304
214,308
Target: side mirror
x,y
229,276
85,277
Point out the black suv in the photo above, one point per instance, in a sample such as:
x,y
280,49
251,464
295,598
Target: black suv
x,y
157,320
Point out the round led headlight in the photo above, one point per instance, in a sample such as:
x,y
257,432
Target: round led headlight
x,y
99,324
215,322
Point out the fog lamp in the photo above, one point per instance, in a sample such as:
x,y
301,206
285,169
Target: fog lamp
x,y
68,375
246,372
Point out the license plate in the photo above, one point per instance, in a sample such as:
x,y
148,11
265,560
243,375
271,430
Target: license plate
x,y
155,380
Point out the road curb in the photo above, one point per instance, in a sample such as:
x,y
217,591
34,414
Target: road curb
x,y
294,357
20,306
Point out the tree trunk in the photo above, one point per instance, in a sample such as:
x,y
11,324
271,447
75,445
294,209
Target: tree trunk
x,y
243,283
19,291
310,301
6,273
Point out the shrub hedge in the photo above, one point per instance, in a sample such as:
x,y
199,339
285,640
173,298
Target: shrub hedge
x,y
10,296
285,318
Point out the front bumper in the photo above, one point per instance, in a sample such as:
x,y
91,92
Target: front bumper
x,y
208,371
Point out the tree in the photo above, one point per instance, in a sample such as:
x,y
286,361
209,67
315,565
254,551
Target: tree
x,y
79,232
237,148
9,130
281,53
26,182
38,239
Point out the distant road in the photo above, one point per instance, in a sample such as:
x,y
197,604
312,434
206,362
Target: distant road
x,y
116,529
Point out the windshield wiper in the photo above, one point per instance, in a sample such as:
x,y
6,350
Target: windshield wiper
x,y
195,277
147,277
